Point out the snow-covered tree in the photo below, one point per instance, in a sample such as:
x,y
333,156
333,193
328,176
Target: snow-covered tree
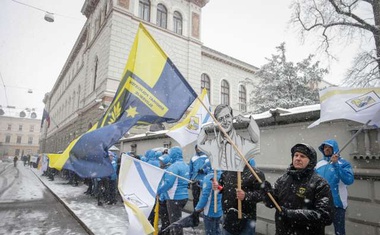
x,y
285,84
341,23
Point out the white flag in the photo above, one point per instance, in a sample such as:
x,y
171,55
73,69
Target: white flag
x,y
356,104
187,131
138,183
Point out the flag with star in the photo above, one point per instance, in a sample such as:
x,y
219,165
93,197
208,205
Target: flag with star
x,y
151,90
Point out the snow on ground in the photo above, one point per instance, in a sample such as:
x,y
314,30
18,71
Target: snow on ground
x,y
106,219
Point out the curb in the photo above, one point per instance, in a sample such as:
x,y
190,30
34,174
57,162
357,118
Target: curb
x,y
85,227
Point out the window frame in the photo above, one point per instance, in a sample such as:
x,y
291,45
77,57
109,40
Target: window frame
x,y
144,9
225,92
177,22
242,98
162,16
206,83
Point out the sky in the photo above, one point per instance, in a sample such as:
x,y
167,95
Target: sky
x,y
34,51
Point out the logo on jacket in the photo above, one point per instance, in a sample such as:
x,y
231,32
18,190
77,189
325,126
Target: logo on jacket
x,y
301,192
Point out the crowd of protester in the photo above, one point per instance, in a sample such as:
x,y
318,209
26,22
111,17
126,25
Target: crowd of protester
x,y
306,201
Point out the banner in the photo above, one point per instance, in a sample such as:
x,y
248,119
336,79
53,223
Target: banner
x,y
138,183
152,90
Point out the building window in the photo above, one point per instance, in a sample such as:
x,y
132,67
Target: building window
x,y
168,144
162,16
205,83
7,139
31,129
20,127
9,127
30,140
225,93
177,21
95,73
144,10
242,98
18,140
134,148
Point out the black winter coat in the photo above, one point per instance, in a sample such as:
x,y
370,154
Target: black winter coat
x,y
249,185
308,200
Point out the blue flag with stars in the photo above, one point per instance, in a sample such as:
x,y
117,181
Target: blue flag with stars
x,y
151,90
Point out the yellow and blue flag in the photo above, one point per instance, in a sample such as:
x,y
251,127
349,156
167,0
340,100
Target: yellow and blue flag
x,y
151,90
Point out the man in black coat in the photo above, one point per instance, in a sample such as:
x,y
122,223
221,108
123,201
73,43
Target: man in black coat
x,y
305,197
249,194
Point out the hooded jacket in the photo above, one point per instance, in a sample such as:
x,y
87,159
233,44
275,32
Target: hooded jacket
x,y
206,200
199,162
307,199
174,187
338,174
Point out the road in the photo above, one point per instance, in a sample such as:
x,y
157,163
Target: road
x,y
28,207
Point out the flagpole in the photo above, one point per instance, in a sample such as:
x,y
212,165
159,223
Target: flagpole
x,y
168,172
353,137
230,141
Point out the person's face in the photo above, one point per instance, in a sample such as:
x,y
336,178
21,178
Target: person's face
x,y
300,160
327,150
225,119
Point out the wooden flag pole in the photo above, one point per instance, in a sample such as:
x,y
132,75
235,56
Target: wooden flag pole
x,y
240,212
239,153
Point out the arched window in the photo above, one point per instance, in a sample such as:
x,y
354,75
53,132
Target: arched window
x,y
162,16
242,98
144,10
225,93
205,83
177,22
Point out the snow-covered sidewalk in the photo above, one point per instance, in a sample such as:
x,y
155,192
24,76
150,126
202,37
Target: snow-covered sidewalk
x,y
98,220
106,219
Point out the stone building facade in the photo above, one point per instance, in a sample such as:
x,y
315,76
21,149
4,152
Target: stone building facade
x,y
92,72
19,136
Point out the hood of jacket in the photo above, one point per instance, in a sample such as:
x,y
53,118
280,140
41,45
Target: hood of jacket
x,y
332,143
175,154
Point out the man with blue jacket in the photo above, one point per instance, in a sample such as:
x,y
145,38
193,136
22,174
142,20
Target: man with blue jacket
x,y
175,188
206,204
338,173
199,167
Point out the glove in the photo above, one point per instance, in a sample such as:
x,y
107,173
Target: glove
x,y
284,212
266,187
201,171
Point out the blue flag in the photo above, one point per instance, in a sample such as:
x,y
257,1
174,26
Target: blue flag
x,y
151,90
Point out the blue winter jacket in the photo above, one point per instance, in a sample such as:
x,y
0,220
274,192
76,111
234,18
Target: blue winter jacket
x,y
113,176
176,188
153,158
206,200
198,162
338,175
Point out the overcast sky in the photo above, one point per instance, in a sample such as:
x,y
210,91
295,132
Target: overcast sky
x,y
34,51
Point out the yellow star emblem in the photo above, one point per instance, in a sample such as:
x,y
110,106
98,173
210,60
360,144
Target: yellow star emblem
x,y
132,112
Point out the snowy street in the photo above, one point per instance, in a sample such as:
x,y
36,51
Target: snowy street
x,y
27,206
